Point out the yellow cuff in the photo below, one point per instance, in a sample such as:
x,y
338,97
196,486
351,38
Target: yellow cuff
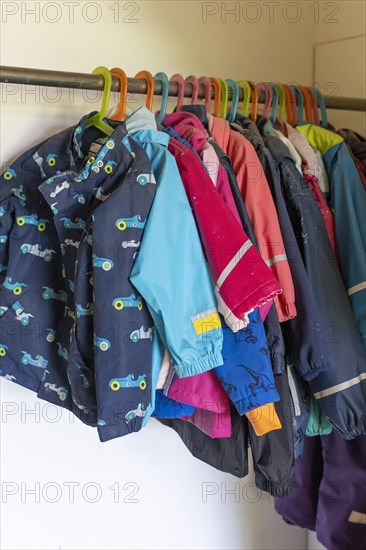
x,y
264,419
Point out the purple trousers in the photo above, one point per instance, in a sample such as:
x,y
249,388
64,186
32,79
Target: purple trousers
x,y
329,492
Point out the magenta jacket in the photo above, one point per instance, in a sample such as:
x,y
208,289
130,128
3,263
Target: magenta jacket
x,y
242,280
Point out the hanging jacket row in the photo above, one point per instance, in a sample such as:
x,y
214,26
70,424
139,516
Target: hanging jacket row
x,y
147,273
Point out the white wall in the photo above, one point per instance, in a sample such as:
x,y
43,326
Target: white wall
x,y
170,513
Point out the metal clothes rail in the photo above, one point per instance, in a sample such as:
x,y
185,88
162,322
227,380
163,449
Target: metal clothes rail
x,y
61,79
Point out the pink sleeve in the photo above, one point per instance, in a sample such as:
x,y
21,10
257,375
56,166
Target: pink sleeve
x,y
262,212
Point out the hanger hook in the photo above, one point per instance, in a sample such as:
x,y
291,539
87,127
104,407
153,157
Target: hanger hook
x,y
121,75
181,84
323,109
217,87
235,99
104,72
269,95
255,98
97,119
281,102
290,103
208,91
275,101
224,97
164,96
314,106
191,79
307,103
300,103
150,87
247,94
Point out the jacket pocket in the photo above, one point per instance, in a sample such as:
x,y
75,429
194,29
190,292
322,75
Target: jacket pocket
x,y
82,383
26,321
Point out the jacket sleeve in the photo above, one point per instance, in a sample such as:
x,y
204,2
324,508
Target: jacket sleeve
x,y
171,274
243,282
262,212
348,198
273,453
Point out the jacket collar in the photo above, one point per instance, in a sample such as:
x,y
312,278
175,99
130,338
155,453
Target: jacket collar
x,y
189,127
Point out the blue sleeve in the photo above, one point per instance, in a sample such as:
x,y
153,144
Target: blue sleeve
x,y
171,274
246,374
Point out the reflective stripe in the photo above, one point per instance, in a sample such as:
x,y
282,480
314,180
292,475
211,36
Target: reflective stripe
x,y
204,314
293,392
340,387
276,259
230,266
206,324
356,288
357,517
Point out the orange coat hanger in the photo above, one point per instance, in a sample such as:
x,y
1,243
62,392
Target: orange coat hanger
x,y
217,87
150,87
121,111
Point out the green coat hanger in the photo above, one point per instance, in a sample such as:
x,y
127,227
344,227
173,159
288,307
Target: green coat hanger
x,y
224,97
97,119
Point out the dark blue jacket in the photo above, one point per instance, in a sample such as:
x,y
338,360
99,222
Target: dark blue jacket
x,y
62,328
335,342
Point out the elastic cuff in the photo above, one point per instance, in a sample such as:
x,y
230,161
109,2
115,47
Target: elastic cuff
x,y
262,398
210,361
313,431
264,419
285,310
273,488
315,371
106,433
354,432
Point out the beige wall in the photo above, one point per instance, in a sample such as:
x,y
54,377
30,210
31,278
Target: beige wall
x,y
340,59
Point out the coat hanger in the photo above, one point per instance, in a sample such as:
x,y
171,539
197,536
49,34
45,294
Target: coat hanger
x,y
323,110
96,120
217,86
290,103
300,103
150,87
224,97
268,91
235,99
180,81
254,100
314,106
195,85
247,94
275,102
123,93
164,96
208,91
307,103
281,103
